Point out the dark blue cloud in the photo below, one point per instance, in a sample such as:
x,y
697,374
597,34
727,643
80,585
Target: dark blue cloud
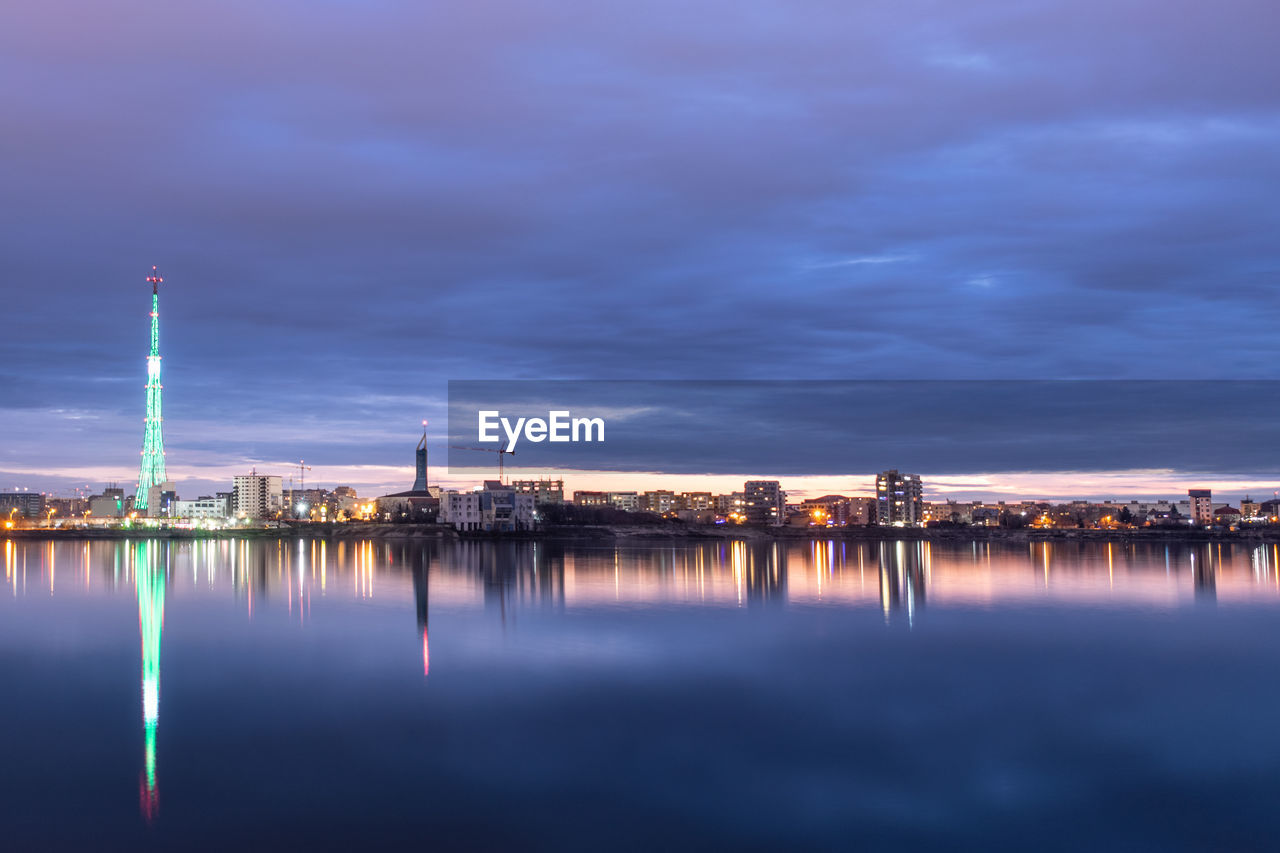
x,y
816,427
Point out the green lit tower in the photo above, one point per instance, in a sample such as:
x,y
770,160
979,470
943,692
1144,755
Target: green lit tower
x,y
152,472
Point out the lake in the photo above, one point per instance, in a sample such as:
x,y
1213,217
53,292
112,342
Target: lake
x,y
310,694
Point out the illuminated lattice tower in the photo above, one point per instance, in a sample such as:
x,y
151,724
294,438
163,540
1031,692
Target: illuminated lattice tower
x,y
152,472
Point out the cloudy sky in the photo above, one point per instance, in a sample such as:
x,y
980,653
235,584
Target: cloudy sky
x,y
355,202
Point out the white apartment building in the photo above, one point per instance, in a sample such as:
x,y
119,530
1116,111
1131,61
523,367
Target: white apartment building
x,y
203,507
460,509
257,496
495,507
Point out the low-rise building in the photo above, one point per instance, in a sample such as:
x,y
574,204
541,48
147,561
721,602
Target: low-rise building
x,y
543,491
832,510
201,507
1226,515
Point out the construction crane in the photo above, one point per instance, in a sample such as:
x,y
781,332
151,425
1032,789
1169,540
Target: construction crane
x,y
500,451
303,468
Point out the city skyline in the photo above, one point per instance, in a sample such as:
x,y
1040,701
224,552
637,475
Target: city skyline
x,y
341,247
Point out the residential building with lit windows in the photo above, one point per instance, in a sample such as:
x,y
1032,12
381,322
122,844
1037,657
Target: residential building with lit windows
x,y
727,505
661,501
1201,506
697,501
764,502
626,501
543,491
827,510
899,499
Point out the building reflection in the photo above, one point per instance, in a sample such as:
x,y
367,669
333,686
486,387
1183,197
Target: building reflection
x,y
904,577
1204,576
759,572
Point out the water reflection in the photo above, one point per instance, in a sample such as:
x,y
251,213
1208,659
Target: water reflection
x,y
903,577
421,602
558,575
304,604
149,571
504,578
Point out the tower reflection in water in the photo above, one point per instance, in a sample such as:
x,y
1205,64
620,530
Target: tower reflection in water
x,y
149,577
421,602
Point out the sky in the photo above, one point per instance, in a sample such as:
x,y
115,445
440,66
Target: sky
x,y
355,203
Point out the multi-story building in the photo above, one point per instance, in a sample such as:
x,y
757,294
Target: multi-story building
x,y
661,501
1201,506
161,498
66,507
1249,508
728,505
257,496
110,504
827,510
502,508
21,504
461,510
543,491
899,499
586,498
764,502
626,501
862,511
201,507
496,507
697,501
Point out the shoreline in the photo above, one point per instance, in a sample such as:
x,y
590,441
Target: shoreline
x,y
624,533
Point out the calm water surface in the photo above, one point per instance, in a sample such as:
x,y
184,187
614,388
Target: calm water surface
x,y
344,695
